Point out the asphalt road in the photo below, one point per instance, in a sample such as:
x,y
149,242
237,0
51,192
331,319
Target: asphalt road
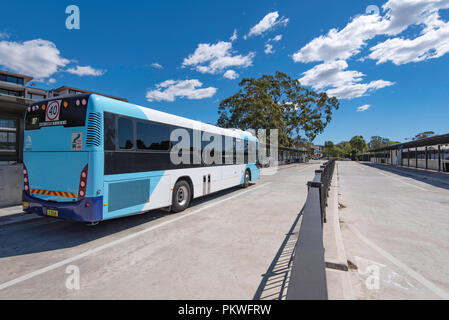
x,y
224,246
395,226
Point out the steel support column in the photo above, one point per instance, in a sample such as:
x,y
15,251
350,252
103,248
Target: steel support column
x,y
408,157
416,157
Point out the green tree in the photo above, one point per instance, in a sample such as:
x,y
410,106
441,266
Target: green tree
x,y
358,144
278,102
378,142
329,149
345,148
340,150
424,135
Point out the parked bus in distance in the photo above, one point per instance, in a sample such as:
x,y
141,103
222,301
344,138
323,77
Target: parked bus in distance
x,y
90,158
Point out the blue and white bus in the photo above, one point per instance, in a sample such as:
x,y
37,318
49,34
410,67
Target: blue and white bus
x,y
90,158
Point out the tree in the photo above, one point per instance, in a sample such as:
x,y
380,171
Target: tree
x,y
340,150
378,142
345,148
424,135
329,149
277,102
358,144
299,142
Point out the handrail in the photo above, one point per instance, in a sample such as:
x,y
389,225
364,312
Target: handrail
x,y
308,274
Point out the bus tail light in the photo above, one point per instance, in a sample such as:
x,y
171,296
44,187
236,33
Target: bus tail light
x,y
26,180
83,184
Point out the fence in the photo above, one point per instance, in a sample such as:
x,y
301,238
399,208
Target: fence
x,y
308,275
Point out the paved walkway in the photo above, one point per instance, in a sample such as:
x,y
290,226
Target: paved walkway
x,y
232,245
395,225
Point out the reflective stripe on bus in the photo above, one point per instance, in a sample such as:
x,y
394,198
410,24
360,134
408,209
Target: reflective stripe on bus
x,y
54,193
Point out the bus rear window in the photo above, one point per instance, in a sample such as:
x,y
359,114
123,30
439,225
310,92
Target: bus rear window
x,y
68,112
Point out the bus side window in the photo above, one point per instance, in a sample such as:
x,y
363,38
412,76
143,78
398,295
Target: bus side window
x,y
109,132
152,136
228,144
125,133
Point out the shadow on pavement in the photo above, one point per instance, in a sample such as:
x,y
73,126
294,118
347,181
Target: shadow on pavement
x,y
435,179
274,283
47,234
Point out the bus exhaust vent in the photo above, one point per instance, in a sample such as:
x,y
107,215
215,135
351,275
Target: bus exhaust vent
x,y
93,138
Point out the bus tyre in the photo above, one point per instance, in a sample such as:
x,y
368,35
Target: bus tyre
x,y
181,196
247,179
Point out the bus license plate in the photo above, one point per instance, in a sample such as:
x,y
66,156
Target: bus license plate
x,y
52,212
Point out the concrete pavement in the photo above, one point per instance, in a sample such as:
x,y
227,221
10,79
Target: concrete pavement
x,y
14,214
232,245
396,232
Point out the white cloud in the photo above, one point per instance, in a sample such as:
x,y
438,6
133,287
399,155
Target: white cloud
x,y
432,44
234,36
339,82
399,15
4,35
215,58
363,108
268,48
403,13
330,74
38,58
357,90
85,71
267,23
170,89
342,44
277,38
157,65
52,80
231,74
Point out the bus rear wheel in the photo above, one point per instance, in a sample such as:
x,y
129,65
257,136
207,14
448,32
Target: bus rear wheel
x,y
247,179
181,196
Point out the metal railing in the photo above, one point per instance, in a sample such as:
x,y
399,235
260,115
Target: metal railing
x,y
308,274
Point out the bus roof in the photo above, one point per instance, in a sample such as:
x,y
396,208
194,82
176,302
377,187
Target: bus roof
x,y
136,111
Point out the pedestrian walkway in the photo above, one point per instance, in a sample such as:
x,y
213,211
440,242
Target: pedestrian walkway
x,y
395,228
423,175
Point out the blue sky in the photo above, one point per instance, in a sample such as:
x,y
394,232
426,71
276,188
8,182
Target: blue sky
x,y
393,64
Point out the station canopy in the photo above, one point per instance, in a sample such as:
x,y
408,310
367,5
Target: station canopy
x,y
430,141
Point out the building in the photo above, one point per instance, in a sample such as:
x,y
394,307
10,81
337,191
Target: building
x,y
316,151
67,91
429,153
15,96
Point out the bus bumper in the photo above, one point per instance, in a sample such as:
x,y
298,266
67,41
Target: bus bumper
x,y
85,210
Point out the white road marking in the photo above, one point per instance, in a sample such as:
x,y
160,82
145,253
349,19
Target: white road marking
x,y
402,181
429,285
118,241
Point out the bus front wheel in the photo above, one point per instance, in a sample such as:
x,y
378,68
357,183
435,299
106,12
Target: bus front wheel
x,y
181,196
